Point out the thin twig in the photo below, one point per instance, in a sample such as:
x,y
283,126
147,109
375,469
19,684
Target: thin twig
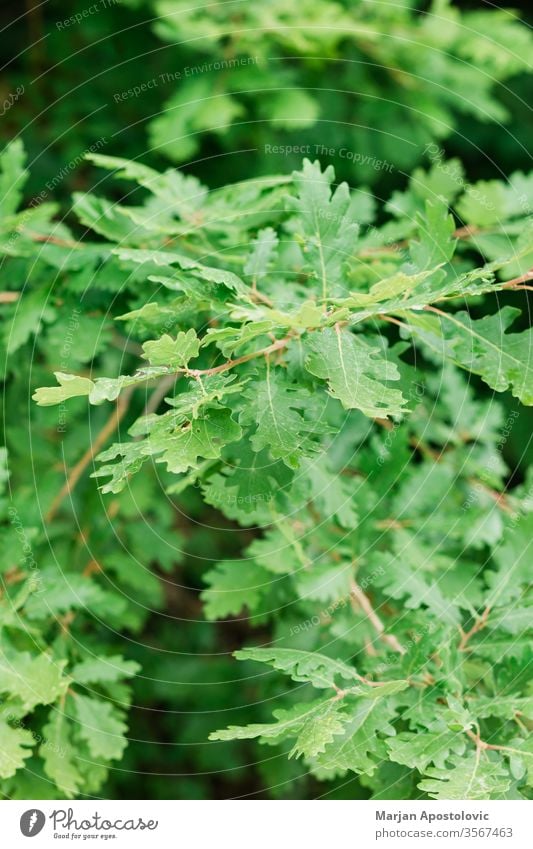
x,y
126,345
110,426
478,626
498,497
392,320
159,393
53,240
122,407
276,346
516,281
357,594
481,745
466,232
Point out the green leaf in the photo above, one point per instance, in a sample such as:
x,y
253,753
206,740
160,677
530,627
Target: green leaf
x,y
282,412
314,726
70,386
233,585
104,670
483,203
355,373
292,109
31,313
174,353
194,109
359,749
327,224
385,293
59,754
13,177
230,339
513,563
201,395
420,749
101,726
181,444
34,680
107,218
333,494
503,360
312,667
108,389
434,245
408,576
132,456
200,439
470,778
262,253
184,194
167,259
15,747
63,591
248,486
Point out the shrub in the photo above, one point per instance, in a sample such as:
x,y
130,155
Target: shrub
x,y
313,365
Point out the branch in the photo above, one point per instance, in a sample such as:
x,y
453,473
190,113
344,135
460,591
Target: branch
x,y
499,497
126,345
276,346
481,745
517,281
110,426
122,407
157,396
478,626
357,594
53,240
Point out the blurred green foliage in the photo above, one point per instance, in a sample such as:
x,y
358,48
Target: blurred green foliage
x,y
166,79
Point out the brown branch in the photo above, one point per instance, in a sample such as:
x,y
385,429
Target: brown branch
x,y
276,346
53,240
516,281
482,745
126,345
478,626
394,524
392,320
159,393
9,297
499,497
466,232
258,296
109,427
357,595
386,423
436,310
92,567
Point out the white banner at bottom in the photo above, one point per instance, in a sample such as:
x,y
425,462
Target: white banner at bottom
x,y
267,824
